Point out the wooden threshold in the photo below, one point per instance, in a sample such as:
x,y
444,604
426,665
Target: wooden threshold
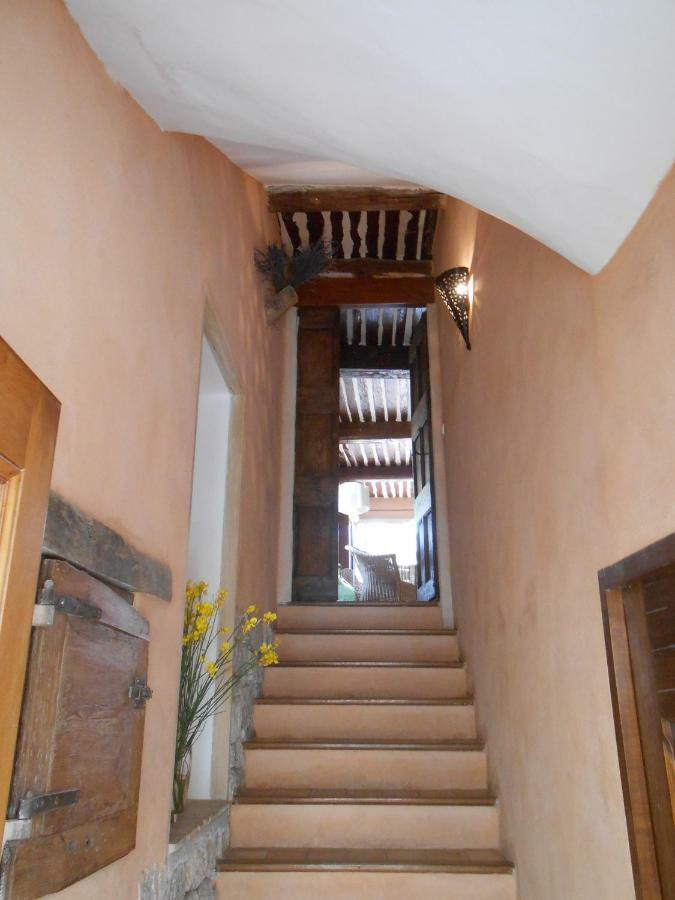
x,y
367,664
415,632
354,604
318,859
469,744
253,796
366,701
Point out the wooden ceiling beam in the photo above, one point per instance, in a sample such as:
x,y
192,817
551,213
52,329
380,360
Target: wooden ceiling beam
x,y
395,291
358,358
375,473
363,268
374,431
287,200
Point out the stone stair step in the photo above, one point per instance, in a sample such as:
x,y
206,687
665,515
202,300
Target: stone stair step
x,y
388,719
441,823
365,679
427,765
409,645
307,873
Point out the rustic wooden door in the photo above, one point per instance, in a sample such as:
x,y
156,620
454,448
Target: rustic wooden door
x,y
29,416
315,502
423,464
74,794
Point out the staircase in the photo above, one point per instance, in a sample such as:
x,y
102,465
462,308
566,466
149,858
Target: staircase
x,y
365,777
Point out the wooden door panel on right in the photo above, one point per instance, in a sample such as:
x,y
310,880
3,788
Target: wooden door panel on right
x,y
423,465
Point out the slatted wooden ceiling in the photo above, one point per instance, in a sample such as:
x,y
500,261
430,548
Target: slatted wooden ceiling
x,y
363,234
383,397
378,327
359,223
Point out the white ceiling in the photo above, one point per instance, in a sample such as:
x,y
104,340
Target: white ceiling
x,y
558,117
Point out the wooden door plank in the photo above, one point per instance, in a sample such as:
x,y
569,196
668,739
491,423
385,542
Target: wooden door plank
x,y
29,416
315,542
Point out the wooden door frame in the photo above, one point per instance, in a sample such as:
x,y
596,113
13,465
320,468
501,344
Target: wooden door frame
x,y
29,415
442,522
620,589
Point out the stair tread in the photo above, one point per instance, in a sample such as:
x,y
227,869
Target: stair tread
x,y
364,744
417,632
458,797
276,859
366,701
355,664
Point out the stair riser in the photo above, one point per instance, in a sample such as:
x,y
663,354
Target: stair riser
x,y
362,681
364,826
360,885
378,647
349,615
316,721
351,769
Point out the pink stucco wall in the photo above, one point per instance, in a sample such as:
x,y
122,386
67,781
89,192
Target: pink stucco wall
x,y
112,234
560,440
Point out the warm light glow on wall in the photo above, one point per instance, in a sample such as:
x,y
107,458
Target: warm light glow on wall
x,y
456,288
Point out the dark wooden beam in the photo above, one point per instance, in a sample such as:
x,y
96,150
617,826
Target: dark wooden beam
x,y
364,268
350,199
396,291
374,431
357,357
90,545
375,473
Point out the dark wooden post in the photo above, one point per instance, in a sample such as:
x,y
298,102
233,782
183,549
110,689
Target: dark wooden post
x,y
315,539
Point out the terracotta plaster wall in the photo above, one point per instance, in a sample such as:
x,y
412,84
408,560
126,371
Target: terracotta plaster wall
x,y
112,234
560,440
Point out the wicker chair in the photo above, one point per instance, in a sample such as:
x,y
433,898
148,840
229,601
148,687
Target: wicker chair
x,y
381,579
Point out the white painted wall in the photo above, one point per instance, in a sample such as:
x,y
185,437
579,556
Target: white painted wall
x,y
556,117
207,515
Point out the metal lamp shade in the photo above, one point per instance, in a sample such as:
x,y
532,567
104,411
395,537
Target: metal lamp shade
x,y
453,286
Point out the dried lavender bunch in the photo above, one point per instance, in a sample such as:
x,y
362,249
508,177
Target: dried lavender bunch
x,y
282,269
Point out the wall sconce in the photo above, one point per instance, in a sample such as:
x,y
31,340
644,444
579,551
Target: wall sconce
x,y
453,286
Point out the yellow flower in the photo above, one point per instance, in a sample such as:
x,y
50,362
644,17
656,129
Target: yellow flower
x,y
212,669
250,625
224,630
201,624
225,647
268,655
269,617
202,659
250,610
204,609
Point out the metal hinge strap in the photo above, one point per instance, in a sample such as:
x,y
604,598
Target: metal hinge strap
x,y
139,692
30,806
71,606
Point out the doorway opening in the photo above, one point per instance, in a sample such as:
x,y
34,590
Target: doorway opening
x,y
207,525
386,535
